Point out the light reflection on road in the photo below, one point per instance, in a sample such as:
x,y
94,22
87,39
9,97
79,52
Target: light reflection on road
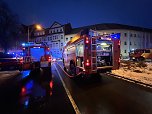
x,y
33,92
25,74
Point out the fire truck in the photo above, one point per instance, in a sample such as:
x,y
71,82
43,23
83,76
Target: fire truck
x,y
35,55
90,53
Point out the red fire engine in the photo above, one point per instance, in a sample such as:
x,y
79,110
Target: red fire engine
x,y
35,56
89,53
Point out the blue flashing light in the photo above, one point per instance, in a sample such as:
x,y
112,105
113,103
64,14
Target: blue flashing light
x,y
30,44
116,36
23,44
8,53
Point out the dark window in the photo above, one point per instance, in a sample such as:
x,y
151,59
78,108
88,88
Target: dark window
x,y
130,35
130,43
125,43
61,44
125,51
134,35
125,34
66,39
61,36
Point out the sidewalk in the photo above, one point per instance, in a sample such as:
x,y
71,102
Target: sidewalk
x,y
141,72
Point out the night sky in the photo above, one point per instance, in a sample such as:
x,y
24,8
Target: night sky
x,y
83,12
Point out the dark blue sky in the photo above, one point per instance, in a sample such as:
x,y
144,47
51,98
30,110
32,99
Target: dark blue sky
x,y
83,12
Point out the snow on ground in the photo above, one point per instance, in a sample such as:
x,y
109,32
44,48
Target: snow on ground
x,y
140,71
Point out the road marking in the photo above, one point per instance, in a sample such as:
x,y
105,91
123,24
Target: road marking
x,y
68,93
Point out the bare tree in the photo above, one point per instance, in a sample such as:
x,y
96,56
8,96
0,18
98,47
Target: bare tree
x,y
9,27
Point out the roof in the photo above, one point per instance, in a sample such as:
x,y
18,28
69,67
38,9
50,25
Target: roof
x,y
108,26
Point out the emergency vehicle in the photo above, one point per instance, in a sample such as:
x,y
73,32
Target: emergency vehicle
x,y
35,56
90,53
141,54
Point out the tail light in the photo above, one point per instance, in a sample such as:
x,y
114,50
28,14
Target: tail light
x,y
87,40
21,60
119,60
48,49
87,63
49,59
119,42
51,84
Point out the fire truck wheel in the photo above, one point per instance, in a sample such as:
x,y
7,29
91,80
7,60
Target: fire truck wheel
x,y
65,69
141,59
72,68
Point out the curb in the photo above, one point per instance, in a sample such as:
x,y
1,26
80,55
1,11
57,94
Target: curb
x,y
130,80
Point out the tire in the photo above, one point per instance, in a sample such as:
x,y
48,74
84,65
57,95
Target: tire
x,y
72,68
65,69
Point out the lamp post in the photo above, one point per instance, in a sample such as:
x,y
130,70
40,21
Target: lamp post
x,y
28,34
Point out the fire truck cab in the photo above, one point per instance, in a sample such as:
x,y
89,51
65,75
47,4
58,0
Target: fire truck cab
x,y
90,53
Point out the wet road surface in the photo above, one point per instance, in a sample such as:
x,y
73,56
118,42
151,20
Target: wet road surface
x,y
35,93
108,95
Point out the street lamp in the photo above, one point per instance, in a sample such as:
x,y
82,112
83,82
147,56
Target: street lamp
x,y
37,27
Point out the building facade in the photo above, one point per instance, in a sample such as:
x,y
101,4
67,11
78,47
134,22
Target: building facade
x,y
131,37
53,37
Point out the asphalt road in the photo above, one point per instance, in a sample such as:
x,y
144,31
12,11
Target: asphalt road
x,y
35,93
108,95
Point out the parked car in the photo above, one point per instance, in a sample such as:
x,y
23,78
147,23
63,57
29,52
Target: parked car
x,y
8,62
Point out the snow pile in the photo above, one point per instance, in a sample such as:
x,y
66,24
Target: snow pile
x,y
139,71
